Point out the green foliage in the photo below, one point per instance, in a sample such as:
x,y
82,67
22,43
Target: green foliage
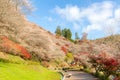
x,y
76,36
58,31
67,33
87,70
101,76
69,57
4,60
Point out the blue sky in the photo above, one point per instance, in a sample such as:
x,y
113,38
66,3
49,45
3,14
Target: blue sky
x,y
98,18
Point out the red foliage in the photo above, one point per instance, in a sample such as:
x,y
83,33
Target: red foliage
x,y
64,49
23,51
9,45
110,62
103,62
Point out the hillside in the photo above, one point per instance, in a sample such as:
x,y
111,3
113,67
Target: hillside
x,y
26,49
38,41
110,41
16,68
45,46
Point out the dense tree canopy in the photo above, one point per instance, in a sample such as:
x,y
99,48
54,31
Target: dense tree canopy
x,y
67,33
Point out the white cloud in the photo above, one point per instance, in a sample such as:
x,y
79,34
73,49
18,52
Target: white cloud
x,y
98,12
70,13
92,27
98,16
117,13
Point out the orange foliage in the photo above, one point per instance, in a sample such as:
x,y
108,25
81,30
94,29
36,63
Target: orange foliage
x,y
64,49
9,45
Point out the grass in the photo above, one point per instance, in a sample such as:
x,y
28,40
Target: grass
x,y
19,69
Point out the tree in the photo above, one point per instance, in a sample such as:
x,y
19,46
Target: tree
x,y
84,36
76,36
109,65
64,32
12,8
24,5
67,33
58,31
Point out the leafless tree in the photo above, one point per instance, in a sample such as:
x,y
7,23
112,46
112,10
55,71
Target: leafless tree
x,y
24,5
84,36
12,8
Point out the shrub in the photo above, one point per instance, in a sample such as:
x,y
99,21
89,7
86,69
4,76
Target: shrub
x,y
69,58
64,49
81,59
109,65
9,46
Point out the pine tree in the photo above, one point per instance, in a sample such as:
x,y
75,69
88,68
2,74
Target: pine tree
x,y
67,33
58,31
76,36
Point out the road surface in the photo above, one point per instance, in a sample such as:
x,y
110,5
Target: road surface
x,y
79,75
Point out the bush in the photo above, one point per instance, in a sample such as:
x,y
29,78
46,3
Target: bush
x,y
69,58
64,49
109,65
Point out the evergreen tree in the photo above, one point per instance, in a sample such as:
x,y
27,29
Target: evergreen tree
x,y
67,33
58,31
64,32
76,36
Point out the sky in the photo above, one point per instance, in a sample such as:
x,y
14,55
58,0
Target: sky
x,y
97,18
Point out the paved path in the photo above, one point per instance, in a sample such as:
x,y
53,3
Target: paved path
x,y
79,75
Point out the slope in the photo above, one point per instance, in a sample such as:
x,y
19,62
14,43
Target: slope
x,y
112,41
15,68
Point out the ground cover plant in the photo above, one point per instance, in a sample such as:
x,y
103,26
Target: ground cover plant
x,y
16,68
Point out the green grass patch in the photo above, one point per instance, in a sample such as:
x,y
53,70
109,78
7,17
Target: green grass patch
x,y
19,69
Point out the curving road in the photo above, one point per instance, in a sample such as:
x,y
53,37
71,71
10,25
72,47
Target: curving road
x,y
79,75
